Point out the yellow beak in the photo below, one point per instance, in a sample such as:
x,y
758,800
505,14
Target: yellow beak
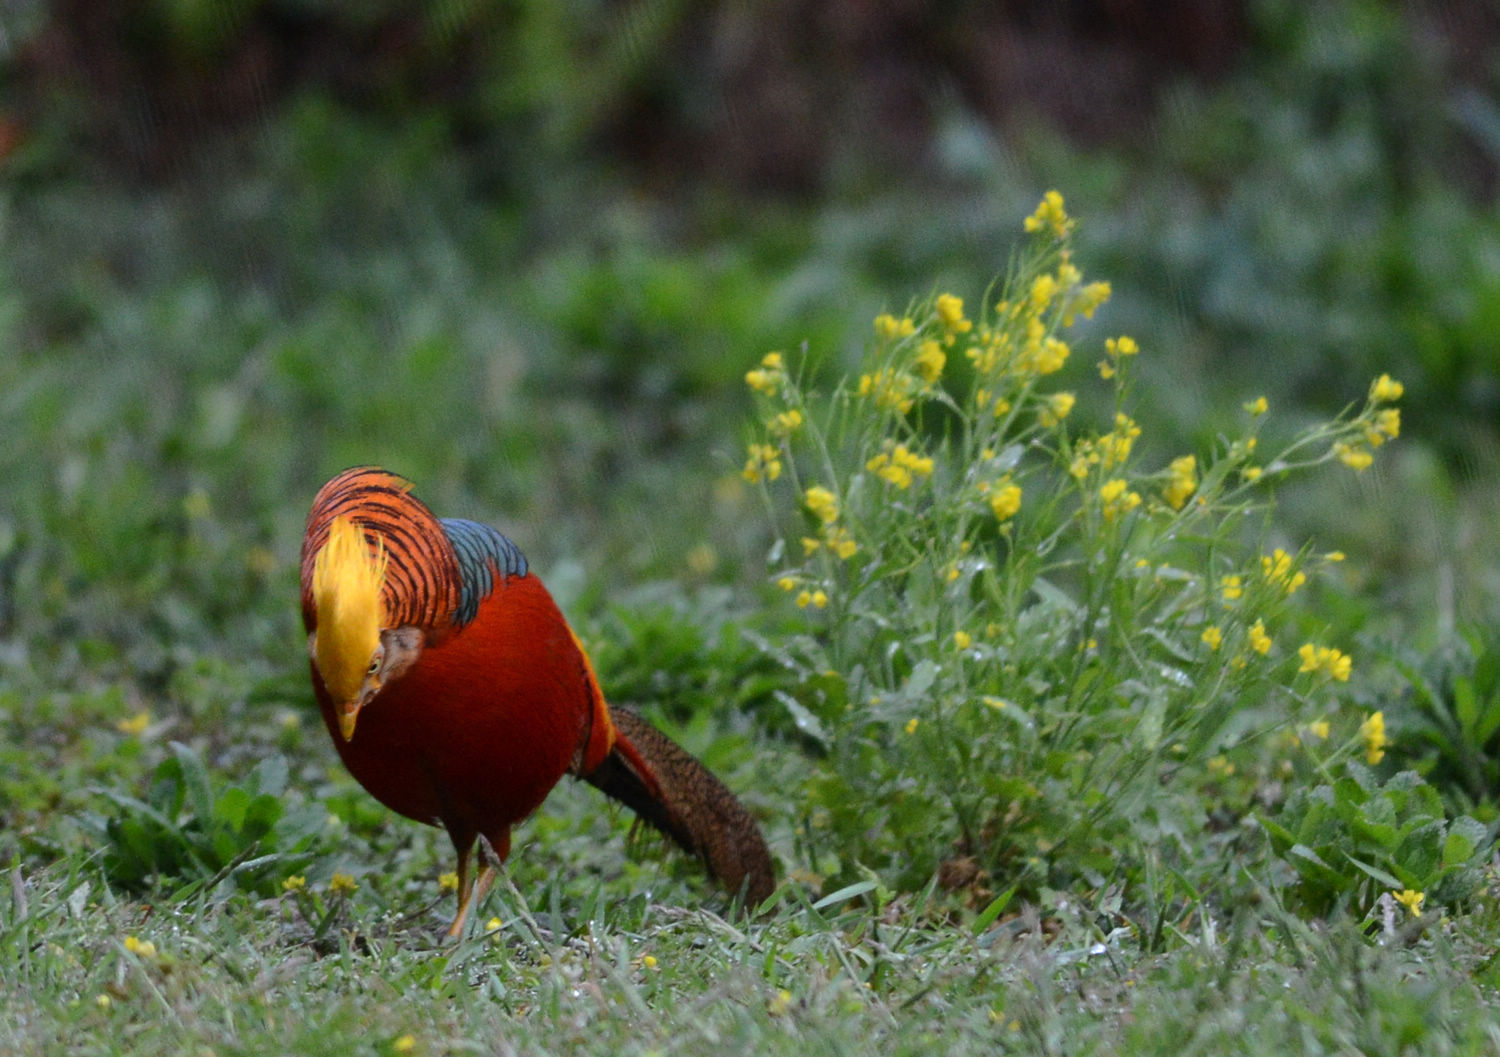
x,y
348,714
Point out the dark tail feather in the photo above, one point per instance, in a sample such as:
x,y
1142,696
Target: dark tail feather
x,y
652,775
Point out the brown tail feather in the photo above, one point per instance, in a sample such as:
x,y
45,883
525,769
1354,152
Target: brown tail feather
x,y
652,775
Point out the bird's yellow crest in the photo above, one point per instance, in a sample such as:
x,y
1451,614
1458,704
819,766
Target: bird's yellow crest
x,y
346,585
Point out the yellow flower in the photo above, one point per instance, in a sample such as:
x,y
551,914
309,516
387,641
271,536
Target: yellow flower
x,y
787,421
930,361
841,542
649,961
911,725
139,947
1050,356
295,883
823,503
787,583
1006,501
950,312
1213,637
1086,301
1319,729
1117,499
1056,408
404,1044
1277,569
136,725
1353,455
804,599
1258,406
1385,390
1121,346
771,361
448,882
889,327
809,545
1260,642
1331,662
819,599
1051,215
1411,899
1251,473
493,925
779,1003
1373,731
962,639
1388,422
1182,481
342,884
765,380
764,461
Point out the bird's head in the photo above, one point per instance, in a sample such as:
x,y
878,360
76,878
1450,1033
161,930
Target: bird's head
x,y
349,647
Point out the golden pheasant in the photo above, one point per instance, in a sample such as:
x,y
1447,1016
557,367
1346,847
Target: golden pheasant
x,y
456,693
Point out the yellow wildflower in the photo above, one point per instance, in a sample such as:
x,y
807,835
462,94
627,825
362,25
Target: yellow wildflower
x,y
823,503
1260,642
1050,358
1373,731
930,361
787,421
819,599
768,377
139,947
962,639
764,462
1388,422
950,312
1353,455
1411,899
1258,406
1276,567
649,961
1182,481
1334,556
890,328
1088,299
1385,390
295,883
1117,498
1121,346
1006,501
404,1043
1319,729
786,583
136,725
810,545
1051,215
448,882
841,542
1251,473
342,884
1043,290
1213,637
1056,408
911,725
804,599
493,925
1331,662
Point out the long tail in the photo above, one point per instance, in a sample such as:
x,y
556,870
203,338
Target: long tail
x,y
652,775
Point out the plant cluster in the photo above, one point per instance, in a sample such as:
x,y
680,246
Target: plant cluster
x,y
1025,642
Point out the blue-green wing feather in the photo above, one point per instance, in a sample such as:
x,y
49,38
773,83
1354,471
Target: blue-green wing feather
x,y
482,554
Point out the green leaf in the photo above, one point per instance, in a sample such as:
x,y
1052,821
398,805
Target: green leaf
x,y
1374,871
996,907
196,783
848,892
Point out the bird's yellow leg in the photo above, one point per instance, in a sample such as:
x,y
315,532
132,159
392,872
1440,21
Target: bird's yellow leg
x,y
491,859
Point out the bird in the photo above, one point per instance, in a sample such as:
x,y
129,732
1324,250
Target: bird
x,y
457,694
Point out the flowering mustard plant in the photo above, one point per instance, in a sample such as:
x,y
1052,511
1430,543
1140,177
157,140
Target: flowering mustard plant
x,y
1133,627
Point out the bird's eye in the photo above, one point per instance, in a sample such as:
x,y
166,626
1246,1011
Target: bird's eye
x,y
374,666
